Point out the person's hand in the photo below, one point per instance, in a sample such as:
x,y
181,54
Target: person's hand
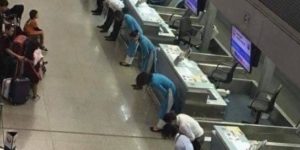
x,y
136,87
20,57
29,61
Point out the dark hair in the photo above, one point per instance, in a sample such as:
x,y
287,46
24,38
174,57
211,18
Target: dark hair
x,y
169,131
169,117
3,3
143,78
33,13
29,47
134,33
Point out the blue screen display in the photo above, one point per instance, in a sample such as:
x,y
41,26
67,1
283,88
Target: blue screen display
x,y
241,48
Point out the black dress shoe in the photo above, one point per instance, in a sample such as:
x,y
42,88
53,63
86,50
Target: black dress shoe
x,y
107,37
103,30
97,13
110,39
136,87
100,27
155,130
124,64
96,10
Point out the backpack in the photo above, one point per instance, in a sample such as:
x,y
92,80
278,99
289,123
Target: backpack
x,y
20,40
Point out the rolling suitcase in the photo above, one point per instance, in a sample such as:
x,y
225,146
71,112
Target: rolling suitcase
x,y
5,88
19,91
19,87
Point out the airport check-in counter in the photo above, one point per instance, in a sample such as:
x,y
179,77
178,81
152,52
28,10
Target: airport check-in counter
x,y
229,138
239,136
199,96
153,25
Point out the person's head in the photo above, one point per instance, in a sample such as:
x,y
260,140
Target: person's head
x,y
119,15
169,131
134,35
3,5
33,14
170,117
143,79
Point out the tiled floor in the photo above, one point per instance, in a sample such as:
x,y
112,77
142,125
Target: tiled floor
x,y
86,100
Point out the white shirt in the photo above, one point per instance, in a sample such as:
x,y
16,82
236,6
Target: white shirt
x,y
189,126
115,4
183,143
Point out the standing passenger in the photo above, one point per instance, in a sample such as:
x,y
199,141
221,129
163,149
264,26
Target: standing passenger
x,y
113,6
118,19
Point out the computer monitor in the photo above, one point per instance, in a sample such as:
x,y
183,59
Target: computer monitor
x,y
195,5
241,48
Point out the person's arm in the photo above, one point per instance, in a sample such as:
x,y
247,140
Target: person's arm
x,y
35,26
145,55
19,57
13,54
130,25
186,130
132,48
170,99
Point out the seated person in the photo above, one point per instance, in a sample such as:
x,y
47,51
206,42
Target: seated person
x,y
22,50
5,40
188,126
32,29
15,12
182,142
148,53
167,90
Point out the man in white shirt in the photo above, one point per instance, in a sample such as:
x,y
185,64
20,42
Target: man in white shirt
x,y
115,14
187,126
182,142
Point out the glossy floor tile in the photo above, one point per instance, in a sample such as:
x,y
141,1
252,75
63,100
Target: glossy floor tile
x,y
86,98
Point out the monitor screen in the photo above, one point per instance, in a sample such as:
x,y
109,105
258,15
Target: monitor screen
x,y
241,48
192,5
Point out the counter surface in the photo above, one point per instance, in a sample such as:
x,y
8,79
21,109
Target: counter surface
x,y
191,75
232,137
150,17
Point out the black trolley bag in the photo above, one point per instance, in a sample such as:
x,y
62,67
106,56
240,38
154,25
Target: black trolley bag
x,y
20,86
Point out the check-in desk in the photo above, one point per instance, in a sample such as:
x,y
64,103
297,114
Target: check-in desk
x,y
229,138
199,96
153,25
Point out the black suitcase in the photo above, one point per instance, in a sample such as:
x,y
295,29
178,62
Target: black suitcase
x,y
19,91
19,87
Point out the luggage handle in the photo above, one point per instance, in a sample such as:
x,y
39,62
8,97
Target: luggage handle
x,y
19,69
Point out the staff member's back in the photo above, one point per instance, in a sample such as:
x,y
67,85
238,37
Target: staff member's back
x,y
187,126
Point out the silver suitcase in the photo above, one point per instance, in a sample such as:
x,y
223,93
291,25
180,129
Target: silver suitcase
x,y
5,88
